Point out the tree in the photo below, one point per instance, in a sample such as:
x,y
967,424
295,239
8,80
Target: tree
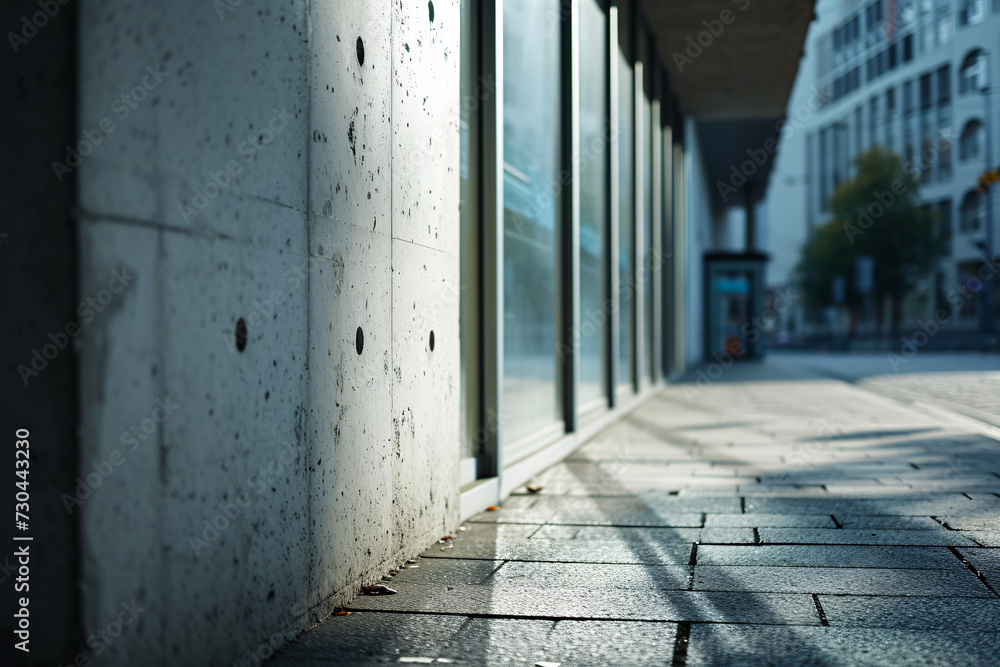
x,y
876,214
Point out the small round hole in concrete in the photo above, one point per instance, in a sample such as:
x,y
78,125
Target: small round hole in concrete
x,y
430,9
241,334
361,52
359,340
432,341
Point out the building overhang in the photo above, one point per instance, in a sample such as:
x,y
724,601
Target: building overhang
x,y
732,65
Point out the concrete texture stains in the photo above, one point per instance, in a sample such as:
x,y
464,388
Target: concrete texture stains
x,y
287,483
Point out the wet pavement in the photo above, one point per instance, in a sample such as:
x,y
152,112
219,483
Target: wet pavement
x,y
764,514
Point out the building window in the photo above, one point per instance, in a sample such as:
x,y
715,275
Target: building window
x,y
644,261
927,153
594,125
907,49
972,12
972,212
944,138
943,22
944,85
469,226
970,144
908,148
626,208
943,220
858,129
972,77
532,217
824,171
873,121
890,118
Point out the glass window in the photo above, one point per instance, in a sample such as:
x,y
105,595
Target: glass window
x,y
972,213
943,21
858,130
594,139
626,217
972,12
972,78
970,145
531,149
469,230
944,132
645,264
824,172
890,118
944,226
873,122
944,85
926,128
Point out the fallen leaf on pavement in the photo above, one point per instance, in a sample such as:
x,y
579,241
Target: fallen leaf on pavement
x,y
533,488
378,589
492,508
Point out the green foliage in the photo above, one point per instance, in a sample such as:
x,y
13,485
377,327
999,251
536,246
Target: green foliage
x,y
876,214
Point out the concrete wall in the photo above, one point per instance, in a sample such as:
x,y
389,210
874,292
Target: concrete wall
x,y
292,167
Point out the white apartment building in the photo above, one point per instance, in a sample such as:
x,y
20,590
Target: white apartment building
x,y
918,76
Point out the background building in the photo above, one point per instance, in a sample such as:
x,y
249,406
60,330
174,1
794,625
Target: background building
x,y
906,75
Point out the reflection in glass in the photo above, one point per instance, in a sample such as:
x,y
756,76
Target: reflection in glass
x,y
626,217
647,237
531,133
469,254
593,199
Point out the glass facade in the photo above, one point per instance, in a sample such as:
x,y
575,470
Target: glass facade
x,y
645,138
594,143
469,233
626,219
539,314
531,211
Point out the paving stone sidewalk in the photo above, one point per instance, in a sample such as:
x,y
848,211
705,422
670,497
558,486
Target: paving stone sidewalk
x,y
770,517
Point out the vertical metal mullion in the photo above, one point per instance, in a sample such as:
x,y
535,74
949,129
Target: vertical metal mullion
x,y
680,248
612,260
667,274
570,77
492,250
